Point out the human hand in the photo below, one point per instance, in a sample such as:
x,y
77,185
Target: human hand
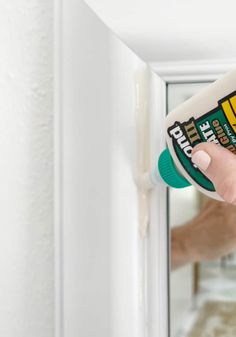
x,y
210,235
219,165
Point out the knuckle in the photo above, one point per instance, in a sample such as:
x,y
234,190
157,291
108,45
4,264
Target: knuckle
x,y
227,189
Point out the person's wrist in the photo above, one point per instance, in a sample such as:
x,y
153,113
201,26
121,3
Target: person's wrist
x,y
192,241
183,248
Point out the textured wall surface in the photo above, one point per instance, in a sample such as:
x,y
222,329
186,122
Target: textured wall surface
x,y
26,223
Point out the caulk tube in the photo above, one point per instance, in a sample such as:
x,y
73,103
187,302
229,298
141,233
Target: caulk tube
x,y
209,116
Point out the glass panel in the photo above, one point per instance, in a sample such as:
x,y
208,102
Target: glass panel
x,y
202,294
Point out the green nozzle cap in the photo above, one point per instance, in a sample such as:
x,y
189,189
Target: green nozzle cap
x,y
169,172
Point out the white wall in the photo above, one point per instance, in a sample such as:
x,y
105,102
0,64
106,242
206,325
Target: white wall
x,y
26,224
166,30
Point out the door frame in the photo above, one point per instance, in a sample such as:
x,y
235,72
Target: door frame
x,y
180,73
192,71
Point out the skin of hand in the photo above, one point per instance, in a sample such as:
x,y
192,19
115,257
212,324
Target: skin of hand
x,y
212,233
219,165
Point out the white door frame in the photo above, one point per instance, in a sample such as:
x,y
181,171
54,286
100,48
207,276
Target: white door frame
x,y
192,71
180,72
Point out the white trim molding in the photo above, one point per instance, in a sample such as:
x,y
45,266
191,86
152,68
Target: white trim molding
x,y
158,254
192,71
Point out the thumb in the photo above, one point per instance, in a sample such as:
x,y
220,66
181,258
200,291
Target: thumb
x,y
219,165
